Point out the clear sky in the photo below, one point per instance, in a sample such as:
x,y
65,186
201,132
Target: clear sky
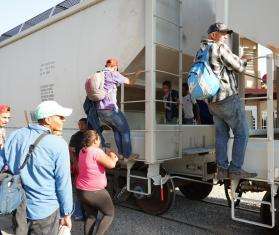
x,y
15,12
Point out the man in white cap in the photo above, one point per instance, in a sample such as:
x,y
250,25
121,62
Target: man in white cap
x,y
46,177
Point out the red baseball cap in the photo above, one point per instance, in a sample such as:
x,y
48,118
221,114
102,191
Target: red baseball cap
x,y
4,108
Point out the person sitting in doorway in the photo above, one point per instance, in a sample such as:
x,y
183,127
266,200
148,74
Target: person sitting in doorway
x,y
171,108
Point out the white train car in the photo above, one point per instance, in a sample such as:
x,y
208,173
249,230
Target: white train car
x,y
51,55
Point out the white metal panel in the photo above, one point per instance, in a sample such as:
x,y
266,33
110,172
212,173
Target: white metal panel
x,y
68,51
254,19
197,16
193,136
167,23
150,79
256,159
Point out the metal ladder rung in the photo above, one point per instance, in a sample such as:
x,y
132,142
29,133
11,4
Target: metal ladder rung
x,y
129,176
165,72
133,101
168,21
165,101
252,222
252,200
138,177
256,98
168,47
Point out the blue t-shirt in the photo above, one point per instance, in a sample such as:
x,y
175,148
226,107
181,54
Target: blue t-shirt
x,y
46,178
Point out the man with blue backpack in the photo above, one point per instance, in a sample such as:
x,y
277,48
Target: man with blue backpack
x,y
212,77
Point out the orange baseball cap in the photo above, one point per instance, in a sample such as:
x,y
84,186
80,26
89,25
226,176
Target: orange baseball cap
x,y
111,62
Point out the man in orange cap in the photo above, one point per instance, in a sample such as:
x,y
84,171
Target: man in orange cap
x,y
109,112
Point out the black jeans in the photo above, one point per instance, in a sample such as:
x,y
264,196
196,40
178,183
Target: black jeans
x,y
47,226
92,202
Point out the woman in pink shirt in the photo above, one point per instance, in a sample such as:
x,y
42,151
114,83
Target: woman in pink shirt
x,y
92,181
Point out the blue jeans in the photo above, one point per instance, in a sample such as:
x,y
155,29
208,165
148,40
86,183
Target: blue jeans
x,y
230,114
117,121
93,121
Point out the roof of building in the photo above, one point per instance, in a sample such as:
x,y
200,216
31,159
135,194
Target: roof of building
x,y
65,5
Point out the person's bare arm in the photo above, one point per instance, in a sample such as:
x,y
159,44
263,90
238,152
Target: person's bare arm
x,y
66,221
108,160
72,152
131,78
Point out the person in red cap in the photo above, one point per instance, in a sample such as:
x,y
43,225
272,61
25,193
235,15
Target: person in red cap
x,y
5,115
109,112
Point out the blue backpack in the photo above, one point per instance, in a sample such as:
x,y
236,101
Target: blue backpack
x,y
11,191
202,81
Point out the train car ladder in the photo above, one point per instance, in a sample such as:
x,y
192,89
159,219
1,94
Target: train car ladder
x,y
270,155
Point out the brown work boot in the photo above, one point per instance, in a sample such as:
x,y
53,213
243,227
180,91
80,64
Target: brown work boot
x,y
222,173
133,156
242,174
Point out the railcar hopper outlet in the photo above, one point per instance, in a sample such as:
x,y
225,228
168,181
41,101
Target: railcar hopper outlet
x,y
157,38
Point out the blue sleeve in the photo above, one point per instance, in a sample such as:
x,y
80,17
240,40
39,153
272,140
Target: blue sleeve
x,y
1,159
63,181
9,153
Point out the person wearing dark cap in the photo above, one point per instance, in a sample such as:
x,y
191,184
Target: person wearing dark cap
x,y
226,106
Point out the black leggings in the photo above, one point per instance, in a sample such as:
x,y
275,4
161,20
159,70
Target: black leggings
x,y
92,202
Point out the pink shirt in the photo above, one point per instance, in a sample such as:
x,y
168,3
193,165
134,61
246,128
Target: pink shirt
x,y
92,175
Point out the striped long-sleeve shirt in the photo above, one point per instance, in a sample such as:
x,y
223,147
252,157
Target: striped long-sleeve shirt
x,y
224,64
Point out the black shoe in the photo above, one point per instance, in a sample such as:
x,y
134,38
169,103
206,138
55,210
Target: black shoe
x,y
242,174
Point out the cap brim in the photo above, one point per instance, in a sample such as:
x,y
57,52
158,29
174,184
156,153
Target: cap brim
x,y
64,112
228,31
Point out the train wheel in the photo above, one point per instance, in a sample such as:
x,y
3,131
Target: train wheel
x,y
195,190
265,210
227,187
158,202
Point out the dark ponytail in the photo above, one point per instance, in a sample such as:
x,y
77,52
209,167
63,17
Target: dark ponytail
x,y
88,139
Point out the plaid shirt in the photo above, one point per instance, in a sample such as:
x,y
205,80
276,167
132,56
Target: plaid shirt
x,y
224,64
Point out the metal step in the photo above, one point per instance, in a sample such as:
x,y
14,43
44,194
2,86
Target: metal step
x,y
198,150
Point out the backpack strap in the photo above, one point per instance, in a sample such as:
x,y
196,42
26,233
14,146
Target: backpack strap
x,y
31,150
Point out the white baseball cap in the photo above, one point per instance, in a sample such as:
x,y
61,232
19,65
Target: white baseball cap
x,y
51,108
